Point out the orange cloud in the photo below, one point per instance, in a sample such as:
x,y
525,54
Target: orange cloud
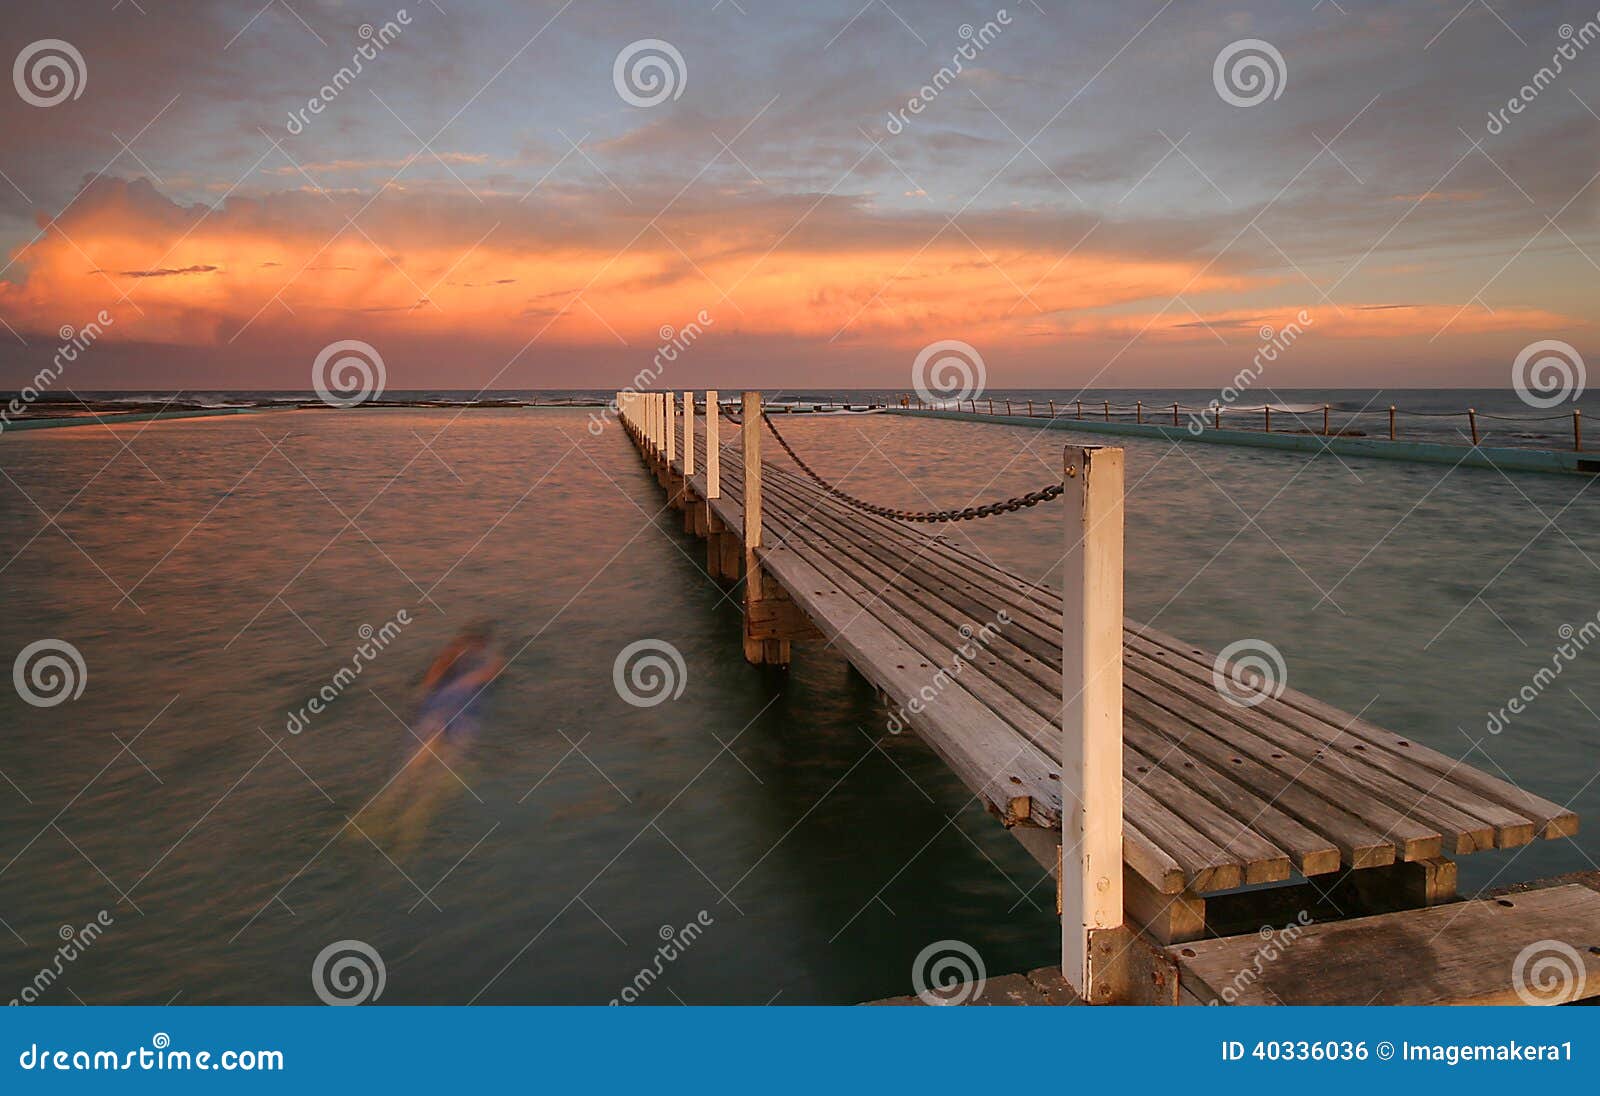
x,y
563,270
577,269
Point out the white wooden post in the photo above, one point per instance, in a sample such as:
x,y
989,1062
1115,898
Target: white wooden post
x,y
750,437
713,447
688,434
1091,689
672,427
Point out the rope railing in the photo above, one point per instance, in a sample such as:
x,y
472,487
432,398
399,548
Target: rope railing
x,y
1157,414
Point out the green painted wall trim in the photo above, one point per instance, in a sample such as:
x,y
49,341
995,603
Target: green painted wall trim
x,y
1510,460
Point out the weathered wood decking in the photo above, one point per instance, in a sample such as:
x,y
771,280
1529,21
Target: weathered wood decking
x,y
1216,795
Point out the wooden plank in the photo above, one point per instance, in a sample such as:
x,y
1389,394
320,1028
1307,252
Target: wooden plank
x,y
1311,853
1550,820
1480,952
993,762
1360,844
1476,821
1202,861
934,588
1183,720
1260,860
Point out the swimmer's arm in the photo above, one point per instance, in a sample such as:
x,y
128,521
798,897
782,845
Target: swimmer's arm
x,y
487,673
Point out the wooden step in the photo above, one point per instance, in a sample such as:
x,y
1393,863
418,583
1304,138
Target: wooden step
x,y
1538,947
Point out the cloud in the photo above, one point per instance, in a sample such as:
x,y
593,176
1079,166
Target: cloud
x,y
168,272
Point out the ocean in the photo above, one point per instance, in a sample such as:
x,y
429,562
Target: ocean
x,y
214,575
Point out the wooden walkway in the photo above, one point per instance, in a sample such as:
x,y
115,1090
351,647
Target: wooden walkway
x,y
1215,795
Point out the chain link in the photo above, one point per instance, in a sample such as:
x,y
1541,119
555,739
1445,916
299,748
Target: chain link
x,y
969,513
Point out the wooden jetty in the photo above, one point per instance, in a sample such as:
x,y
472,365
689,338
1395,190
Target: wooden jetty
x,y
1178,820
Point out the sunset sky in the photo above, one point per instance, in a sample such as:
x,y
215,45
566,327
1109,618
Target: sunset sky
x,y
1082,203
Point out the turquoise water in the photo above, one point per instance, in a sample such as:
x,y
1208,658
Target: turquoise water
x,y
818,855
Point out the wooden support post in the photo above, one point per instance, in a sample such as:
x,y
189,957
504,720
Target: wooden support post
x,y
1413,884
713,447
1052,409
1472,418
991,405
671,427
688,434
1577,430
1266,409
1008,407
1216,416
1174,414
758,648
716,532
1091,758
1391,422
1138,411
1108,410
692,507
1324,420
1165,918
1080,409
1030,409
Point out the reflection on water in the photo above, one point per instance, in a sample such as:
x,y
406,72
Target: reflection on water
x,y
583,828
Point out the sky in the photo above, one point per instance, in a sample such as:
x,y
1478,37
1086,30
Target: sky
x,y
538,194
